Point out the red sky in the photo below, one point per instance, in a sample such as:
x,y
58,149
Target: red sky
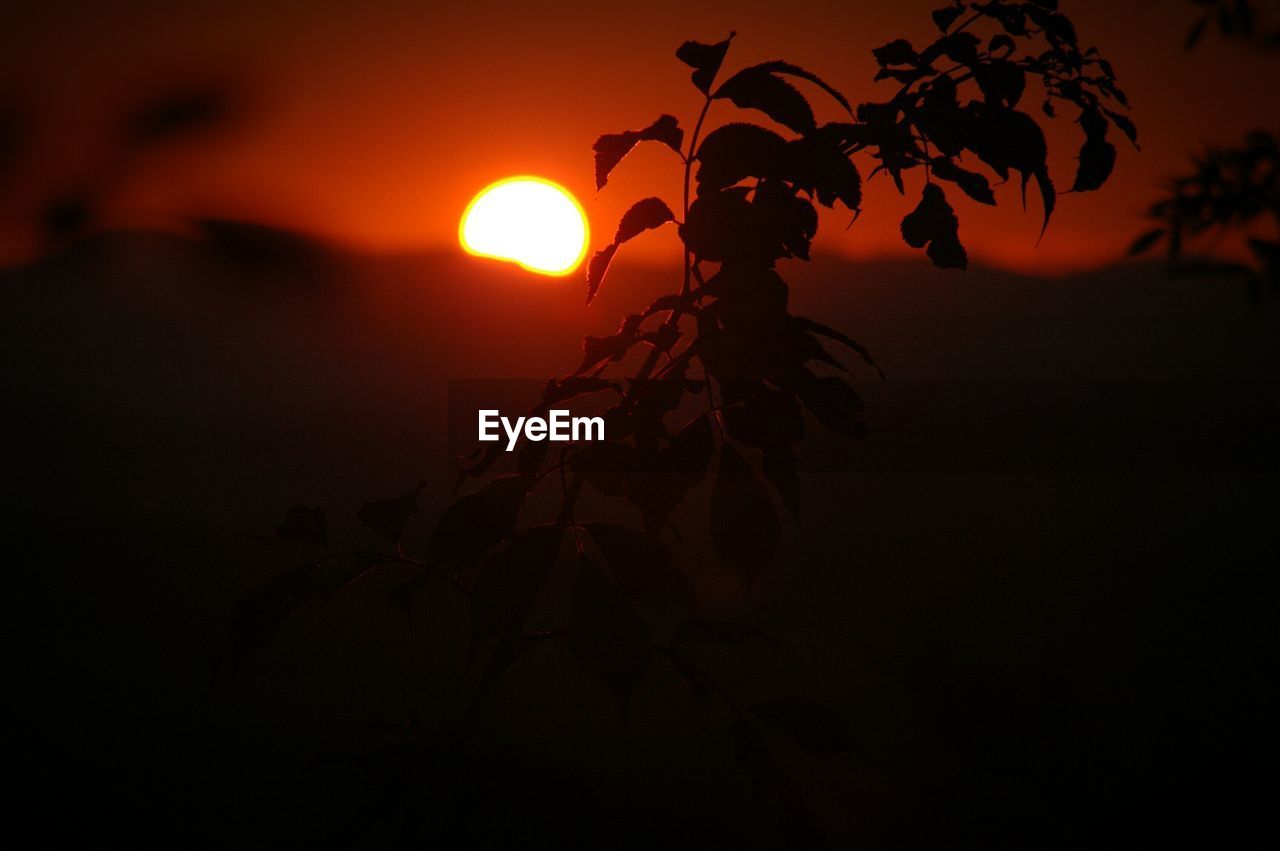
x,y
374,123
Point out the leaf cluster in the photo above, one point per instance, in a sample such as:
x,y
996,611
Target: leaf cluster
x,y
1226,189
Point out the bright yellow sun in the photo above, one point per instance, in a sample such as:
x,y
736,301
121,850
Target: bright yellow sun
x,y
527,220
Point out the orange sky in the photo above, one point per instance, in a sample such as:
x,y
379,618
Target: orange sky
x,y
374,123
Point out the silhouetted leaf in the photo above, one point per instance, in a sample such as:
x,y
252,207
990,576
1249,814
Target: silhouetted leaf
x,y
596,350
1007,139
752,88
1097,156
1097,159
477,521
645,214
705,60
735,152
607,638
745,531
388,517
780,67
946,16
724,226
897,52
975,185
840,337
640,564
835,404
814,728
817,164
509,582
1126,125
611,148
306,525
597,267
793,220
1002,82
699,630
933,223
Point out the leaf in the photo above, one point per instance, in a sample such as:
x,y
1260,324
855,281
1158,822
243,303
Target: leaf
x,y
645,214
510,581
1146,242
735,152
477,521
306,525
611,148
897,52
817,164
1001,81
835,404
1008,139
752,88
745,531
975,185
1097,160
596,350
388,517
933,223
1126,125
705,60
1097,156
640,564
814,728
258,615
701,631
672,472
779,67
597,266
946,16
607,638
839,337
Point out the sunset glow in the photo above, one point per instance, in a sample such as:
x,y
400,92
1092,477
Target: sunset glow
x,y
526,220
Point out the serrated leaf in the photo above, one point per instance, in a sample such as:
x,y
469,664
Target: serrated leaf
x,y
745,530
735,152
476,521
597,267
946,16
779,67
645,214
510,581
975,185
640,564
705,60
388,517
611,148
835,404
752,88
607,638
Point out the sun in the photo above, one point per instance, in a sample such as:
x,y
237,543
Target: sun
x,y
531,221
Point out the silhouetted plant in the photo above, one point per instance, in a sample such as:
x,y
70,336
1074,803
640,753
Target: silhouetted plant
x,y
1238,20
1227,188
748,202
